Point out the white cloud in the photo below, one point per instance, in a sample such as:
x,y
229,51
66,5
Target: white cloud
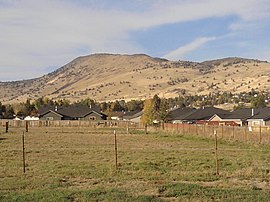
x,y
182,51
41,33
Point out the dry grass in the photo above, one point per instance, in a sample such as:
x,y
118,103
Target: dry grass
x,y
111,77
74,165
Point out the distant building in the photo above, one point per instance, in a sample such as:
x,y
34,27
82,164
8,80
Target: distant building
x,y
177,115
191,115
134,116
117,115
73,112
261,117
31,118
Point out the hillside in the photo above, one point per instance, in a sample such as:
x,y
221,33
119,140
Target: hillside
x,y
110,77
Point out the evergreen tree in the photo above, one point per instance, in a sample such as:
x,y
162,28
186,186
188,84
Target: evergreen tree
x,y
258,101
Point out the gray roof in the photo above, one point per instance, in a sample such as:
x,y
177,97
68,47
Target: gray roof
x,y
261,113
133,114
73,111
242,114
206,113
180,113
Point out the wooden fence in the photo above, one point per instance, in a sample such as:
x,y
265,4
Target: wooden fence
x,y
259,134
69,123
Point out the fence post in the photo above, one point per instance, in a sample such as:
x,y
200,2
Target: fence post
x,y
23,152
115,149
26,126
260,137
196,129
7,127
145,129
222,131
216,152
233,132
245,138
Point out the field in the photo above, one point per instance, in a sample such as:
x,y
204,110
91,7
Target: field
x,y
78,164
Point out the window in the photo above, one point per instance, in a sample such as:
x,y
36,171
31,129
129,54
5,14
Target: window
x,y
92,118
256,123
49,118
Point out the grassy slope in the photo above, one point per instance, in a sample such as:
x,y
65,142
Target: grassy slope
x,y
114,77
78,165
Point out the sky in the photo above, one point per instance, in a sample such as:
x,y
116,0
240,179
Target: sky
x,y
39,36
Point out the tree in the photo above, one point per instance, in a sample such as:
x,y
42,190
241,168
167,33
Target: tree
x,y
8,111
163,111
155,109
116,106
104,106
258,101
88,102
148,117
134,105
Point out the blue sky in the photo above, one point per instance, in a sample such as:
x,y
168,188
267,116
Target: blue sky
x,y
38,36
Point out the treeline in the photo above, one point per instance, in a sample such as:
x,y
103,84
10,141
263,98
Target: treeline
x,y
156,107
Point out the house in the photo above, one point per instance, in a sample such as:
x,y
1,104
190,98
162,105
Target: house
x,y
260,117
117,115
238,117
72,112
31,118
222,119
204,114
177,115
134,116
246,116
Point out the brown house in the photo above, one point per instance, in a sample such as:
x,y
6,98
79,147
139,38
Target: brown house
x,y
73,112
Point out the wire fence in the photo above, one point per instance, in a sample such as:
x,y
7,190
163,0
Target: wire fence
x,y
248,134
254,134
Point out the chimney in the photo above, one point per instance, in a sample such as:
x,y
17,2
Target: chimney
x,y
90,106
55,109
252,112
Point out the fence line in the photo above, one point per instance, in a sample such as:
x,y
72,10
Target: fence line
x,y
69,123
254,134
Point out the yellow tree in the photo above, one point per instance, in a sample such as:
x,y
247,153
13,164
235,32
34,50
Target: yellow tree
x,y
148,111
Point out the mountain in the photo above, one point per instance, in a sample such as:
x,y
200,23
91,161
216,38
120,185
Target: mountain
x,y
105,77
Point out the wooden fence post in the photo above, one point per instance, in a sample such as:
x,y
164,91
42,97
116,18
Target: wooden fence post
x,y
216,152
7,127
222,131
245,134
233,132
115,149
23,152
260,137
145,129
26,126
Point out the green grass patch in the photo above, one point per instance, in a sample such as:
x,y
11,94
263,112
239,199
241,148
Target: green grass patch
x,y
72,166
